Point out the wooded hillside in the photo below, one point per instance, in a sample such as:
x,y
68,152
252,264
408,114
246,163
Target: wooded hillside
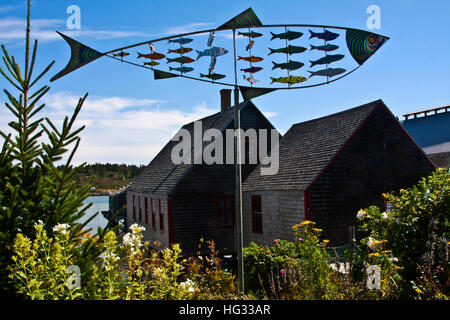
x,y
106,176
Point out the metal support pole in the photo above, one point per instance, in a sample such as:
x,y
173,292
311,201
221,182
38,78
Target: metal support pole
x,y
238,176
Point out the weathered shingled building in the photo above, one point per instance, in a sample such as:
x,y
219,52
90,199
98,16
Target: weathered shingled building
x,y
182,203
329,168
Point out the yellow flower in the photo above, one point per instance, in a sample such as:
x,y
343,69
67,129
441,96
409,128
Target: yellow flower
x,y
376,254
386,251
326,241
304,223
418,290
317,230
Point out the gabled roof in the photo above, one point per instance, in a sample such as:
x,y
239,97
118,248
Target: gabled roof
x,y
307,148
162,175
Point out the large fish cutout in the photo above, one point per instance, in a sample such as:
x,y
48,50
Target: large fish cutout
x,y
333,52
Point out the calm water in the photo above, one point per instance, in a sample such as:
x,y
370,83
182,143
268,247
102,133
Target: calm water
x,y
99,203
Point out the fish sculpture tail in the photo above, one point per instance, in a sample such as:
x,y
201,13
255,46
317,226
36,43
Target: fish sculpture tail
x,y
271,51
274,36
275,65
140,55
312,63
312,47
311,74
199,54
240,58
273,80
312,34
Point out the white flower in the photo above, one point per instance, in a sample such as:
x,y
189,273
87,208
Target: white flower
x,y
188,285
63,228
371,243
385,216
361,214
135,228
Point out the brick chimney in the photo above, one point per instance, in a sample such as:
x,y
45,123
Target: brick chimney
x,y
225,99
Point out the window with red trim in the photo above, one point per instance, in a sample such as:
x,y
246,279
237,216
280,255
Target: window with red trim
x,y
146,210
153,213
225,211
134,209
256,214
161,216
140,209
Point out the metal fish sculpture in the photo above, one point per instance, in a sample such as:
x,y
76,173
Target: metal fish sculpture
x,y
154,56
327,35
327,59
181,50
180,40
210,39
251,59
251,79
213,52
290,80
182,69
289,35
291,65
251,34
330,72
121,54
213,76
151,63
357,46
250,45
182,60
252,69
288,50
326,48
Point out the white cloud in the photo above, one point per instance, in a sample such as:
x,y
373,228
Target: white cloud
x,y
118,129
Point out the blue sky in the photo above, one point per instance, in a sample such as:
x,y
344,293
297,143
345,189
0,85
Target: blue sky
x,y
129,116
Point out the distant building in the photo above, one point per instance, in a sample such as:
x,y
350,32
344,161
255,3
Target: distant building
x,y
430,128
329,168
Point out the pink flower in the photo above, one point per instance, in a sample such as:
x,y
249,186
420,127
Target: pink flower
x,y
276,240
282,271
300,239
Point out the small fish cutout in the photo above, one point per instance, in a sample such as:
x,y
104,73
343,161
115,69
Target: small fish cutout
x,y
181,60
327,59
290,80
326,48
291,65
289,35
151,63
250,34
288,50
330,72
180,40
250,45
212,65
213,52
251,79
210,39
121,54
327,35
181,50
251,59
154,56
182,69
213,76
252,69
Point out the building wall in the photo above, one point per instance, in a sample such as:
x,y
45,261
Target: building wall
x,y
281,210
379,158
151,233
